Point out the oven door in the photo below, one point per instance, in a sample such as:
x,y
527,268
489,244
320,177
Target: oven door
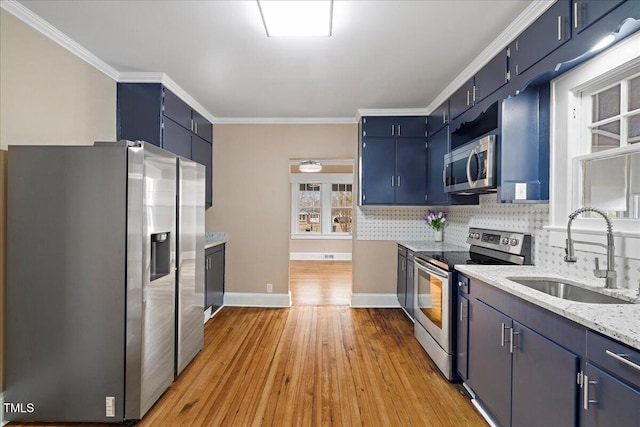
x,y
432,302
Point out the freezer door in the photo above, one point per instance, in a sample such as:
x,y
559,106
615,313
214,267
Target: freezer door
x,y
190,290
151,249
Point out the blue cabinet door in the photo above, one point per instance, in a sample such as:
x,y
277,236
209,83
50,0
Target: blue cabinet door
x,y
176,109
490,360
411,126
176,139
214,277
401,290
546,34
617,404
139,112
462,99
410,287
411,171
462,336
202,127
378,171
378,126
202,152
439,118
438,147
491,77
586,12
544,389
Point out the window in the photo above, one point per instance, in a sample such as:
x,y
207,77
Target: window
x,y
609,171
321,205
595,146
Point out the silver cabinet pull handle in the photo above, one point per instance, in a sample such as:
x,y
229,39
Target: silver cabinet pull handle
x,y
392,180
474,93
504,328
468,95
575,14
621,358
399,130
559,27
398,175
585,393
393,130
512,334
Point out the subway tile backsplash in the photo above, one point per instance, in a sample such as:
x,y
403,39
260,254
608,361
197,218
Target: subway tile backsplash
x,y
405,223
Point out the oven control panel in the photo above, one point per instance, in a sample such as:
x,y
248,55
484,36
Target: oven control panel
x,y
504,241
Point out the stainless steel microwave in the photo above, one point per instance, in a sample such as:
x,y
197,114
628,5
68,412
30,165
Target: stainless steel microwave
x,y
471,168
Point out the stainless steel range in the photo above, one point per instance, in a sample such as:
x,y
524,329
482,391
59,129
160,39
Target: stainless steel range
x,y
433,286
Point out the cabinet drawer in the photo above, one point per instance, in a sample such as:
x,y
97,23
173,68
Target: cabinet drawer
x,y
614,357
402,250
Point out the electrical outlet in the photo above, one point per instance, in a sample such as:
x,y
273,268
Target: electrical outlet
x,y
269,287
521,191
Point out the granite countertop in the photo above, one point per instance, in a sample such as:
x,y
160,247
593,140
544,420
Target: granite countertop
x,y
214,238
618,321
430,246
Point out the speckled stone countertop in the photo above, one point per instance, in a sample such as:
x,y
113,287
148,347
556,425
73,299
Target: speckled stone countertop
x,y
424,245
618,321
214,238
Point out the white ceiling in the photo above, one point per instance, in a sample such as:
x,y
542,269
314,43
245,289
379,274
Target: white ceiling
x,y
382,54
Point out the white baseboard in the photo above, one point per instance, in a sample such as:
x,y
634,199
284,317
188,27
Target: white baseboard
x,y
320,256
374,301
238,299
207,315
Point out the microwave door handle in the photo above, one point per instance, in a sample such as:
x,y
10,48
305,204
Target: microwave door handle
x,y
471,154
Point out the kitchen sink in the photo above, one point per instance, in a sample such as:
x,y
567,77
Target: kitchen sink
x,y
567,291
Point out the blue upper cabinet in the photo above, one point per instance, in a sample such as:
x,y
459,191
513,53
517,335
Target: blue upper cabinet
x,y
462,99
586,12
550,31
524,154
491,77
393,156
152,113
439,118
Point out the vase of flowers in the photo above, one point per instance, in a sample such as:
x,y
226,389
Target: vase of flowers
x,y
436,220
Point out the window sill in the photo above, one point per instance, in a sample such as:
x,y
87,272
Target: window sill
x,y
627,244
318,236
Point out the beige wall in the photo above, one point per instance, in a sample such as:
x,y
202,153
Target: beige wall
x,y
321,246
375,266
47,96
252,192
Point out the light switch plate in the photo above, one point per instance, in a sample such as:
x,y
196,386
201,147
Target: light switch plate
x,y
521,191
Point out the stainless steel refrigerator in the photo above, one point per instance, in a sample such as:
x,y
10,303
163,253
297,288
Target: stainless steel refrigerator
x,y
91,280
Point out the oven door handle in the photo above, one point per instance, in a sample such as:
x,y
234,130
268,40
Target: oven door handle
x,y
423,265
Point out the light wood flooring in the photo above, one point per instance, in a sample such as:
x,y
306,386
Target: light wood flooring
x,y
311,366
320,282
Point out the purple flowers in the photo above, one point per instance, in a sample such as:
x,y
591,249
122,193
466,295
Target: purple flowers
x,y
435,220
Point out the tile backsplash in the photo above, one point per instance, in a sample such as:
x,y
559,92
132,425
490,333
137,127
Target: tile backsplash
x,y
405,223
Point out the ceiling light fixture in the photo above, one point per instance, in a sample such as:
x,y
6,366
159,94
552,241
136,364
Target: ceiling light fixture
x,y
310,166
310,18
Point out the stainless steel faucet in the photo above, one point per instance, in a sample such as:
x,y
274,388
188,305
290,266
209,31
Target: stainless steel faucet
x,y
610,273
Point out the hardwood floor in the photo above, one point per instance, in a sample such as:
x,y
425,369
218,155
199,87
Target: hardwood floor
x,y
320,282
318,363
311,366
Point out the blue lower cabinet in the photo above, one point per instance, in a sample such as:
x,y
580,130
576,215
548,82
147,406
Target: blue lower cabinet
x,y
519,376
410,285
544,381
610,402
490,360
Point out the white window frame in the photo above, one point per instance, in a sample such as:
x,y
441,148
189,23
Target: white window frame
x,y
567,143
326,180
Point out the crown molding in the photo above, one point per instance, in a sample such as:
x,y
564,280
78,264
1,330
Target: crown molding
x,y
284,120
169,83
28,17
390,112
526,18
